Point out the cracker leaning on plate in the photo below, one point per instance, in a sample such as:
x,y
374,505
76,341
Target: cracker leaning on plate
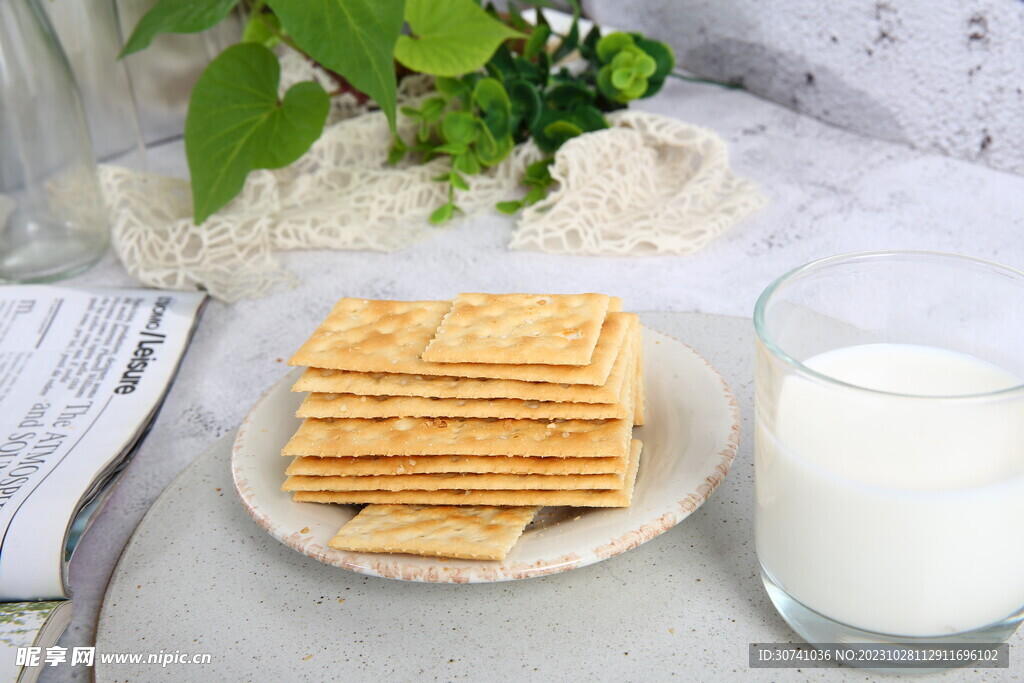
x,y
454,421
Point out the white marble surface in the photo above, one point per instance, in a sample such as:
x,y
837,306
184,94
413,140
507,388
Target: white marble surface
x,y
831,191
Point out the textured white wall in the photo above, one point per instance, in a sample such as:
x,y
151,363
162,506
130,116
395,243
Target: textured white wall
x,y
943,76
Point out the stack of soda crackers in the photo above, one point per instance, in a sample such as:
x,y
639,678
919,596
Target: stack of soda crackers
x,y
455,421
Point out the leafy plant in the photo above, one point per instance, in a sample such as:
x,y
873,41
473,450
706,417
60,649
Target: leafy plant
x,y
500,81
526,92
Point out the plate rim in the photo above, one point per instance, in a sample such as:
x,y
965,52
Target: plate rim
x,y
384,565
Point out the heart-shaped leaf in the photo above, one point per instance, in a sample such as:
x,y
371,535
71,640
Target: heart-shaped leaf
x,y
236,123
449,37
355,38
176,16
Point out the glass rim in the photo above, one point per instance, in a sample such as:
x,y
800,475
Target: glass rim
x,y
760,328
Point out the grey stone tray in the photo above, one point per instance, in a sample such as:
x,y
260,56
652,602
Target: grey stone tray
x,y
199,576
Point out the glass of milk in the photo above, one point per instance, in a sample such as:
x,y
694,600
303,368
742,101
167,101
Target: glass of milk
x,y
889,448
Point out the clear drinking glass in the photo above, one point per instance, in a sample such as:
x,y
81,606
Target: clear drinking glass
x,y
889,448
52,220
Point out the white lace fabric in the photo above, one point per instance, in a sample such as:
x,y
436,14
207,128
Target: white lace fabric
x,y
648,185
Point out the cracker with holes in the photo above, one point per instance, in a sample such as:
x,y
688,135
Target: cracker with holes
x,y
366,335
326,437
467,532
326,380
531,329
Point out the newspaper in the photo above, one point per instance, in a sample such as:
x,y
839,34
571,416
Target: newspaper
x,y
82,375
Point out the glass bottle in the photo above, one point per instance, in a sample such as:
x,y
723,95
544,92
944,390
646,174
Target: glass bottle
x,y
52,220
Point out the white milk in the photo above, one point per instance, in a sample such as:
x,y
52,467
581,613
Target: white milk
x,y
895,514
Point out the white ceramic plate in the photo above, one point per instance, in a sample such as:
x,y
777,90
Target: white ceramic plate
x,y
690,439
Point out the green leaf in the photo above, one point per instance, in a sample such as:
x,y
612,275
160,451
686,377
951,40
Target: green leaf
x,y
538,39
423,132
449,37
236,123
457,181
555,127
442,213
662,54
509,207
176,16
539,172
466,163
570,41
355,38
460,126
516,17
433,108
490,150
562,129
534,195
453,148
263,28
397,151
566,95
612,44
588,118
490,96
588,48
455,88
604,83
501,65
526,106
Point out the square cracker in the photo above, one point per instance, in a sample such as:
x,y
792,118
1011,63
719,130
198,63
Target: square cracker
x,y
324,380
433,464
350,405
453,481
326,437
600,498
467,532
389,336
557,329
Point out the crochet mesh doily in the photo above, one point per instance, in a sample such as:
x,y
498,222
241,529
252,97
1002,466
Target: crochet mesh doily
x,y
649,184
